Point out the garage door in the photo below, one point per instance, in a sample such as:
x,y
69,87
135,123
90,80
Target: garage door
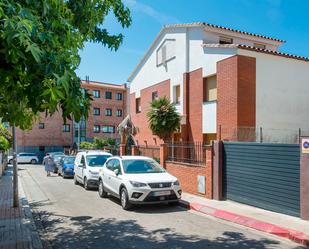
x,y
263,175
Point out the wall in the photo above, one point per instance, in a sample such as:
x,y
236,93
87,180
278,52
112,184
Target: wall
x,y
282,103
140,119
187,174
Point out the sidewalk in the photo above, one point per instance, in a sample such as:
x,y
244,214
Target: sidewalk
x,y
17,229
270,222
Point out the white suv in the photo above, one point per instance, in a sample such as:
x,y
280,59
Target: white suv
x,y
87,165
25,158
138,180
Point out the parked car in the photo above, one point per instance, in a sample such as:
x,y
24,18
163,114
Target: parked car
x,y
138,180
87,165
25,158
66,166
53,160
50,154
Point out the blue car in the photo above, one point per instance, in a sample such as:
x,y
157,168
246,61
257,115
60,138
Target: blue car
x,y
66,166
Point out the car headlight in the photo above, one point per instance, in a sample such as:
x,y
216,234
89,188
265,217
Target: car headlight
x,y
138,184
176,183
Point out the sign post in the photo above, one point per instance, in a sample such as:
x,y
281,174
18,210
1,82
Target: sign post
x,y
304,176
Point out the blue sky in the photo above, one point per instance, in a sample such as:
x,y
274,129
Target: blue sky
x,y
283,19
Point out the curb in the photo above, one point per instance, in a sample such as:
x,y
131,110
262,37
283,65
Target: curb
x,y
296,236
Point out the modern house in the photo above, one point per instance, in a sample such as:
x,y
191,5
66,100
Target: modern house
x,y
51,134
225,83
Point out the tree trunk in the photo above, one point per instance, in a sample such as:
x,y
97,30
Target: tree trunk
x,y
15,168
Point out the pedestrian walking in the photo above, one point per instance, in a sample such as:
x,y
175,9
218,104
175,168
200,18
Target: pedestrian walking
x,y
49,166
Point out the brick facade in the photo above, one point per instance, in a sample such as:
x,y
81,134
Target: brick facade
x,y
187,174
236,89
145,136
52,135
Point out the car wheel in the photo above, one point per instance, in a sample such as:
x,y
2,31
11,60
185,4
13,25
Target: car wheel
x,y
33,161
102,192
11,161
86,184
75,180
124,199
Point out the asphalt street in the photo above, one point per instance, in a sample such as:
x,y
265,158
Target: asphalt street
x,y
68,216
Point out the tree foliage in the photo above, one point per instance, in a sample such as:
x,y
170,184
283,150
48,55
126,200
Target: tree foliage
x,y
163,118
40,41
98,143
5,139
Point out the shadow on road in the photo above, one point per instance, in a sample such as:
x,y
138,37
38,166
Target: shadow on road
x,y
74,232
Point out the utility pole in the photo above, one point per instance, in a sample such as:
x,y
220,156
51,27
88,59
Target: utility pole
x,y
15,169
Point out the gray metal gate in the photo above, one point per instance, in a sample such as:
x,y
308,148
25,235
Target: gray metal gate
x,y
263,175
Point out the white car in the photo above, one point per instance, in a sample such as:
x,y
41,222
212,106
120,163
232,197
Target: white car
x,y
138,180
25,158
87,165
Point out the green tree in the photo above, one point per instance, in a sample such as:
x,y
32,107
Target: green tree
x,y
99,142
163,118
40,42
5,139
87,145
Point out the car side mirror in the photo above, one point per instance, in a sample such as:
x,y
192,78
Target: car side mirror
x,y
116,171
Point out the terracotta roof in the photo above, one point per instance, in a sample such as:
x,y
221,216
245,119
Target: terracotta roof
x,y
198,24
266,51
104,84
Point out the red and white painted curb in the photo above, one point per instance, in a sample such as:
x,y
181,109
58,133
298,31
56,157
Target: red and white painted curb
x,y
296,236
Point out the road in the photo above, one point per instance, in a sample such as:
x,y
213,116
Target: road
x,y
68,216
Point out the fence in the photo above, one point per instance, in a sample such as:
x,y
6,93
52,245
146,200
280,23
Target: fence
x,y
187,152
150,151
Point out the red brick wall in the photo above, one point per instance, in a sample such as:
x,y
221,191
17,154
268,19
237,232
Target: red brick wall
x,y
195,111
236,92
140,119
187,175
52,134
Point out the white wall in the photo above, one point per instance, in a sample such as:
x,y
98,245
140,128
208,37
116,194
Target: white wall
x,y
282,93
205,57
210,117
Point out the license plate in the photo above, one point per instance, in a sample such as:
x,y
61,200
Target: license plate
x,y
161,193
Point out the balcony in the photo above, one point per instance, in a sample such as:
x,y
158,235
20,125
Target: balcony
x,y
209,117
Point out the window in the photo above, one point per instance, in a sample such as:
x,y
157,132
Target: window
x,y
108,129
260,46
41,148
119,96
66,128
110,164
225,40
177,94
119,113
96,160
210,88
166,52
96,111
82,161
96,93
108,112
41,125
154,95
138,108
108,95
96,128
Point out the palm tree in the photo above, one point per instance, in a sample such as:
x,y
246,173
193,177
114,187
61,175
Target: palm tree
x,y
163,118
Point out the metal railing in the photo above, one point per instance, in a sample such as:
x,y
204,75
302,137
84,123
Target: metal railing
x,y
187,152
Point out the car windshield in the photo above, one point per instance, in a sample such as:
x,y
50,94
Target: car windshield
x,y
140,166
57,158
69,160
96,160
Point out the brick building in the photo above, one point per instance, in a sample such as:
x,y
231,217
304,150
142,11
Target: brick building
x,y
226,83
51,134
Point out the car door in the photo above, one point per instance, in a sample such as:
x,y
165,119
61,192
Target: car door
x,y
116,179
77,167
107,175
21,158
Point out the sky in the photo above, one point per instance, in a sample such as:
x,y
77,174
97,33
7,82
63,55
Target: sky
x,y
282,19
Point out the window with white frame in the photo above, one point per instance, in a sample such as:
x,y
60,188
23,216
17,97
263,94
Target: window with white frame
x,y
166,52
119,113
96,93
96,129
108,129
